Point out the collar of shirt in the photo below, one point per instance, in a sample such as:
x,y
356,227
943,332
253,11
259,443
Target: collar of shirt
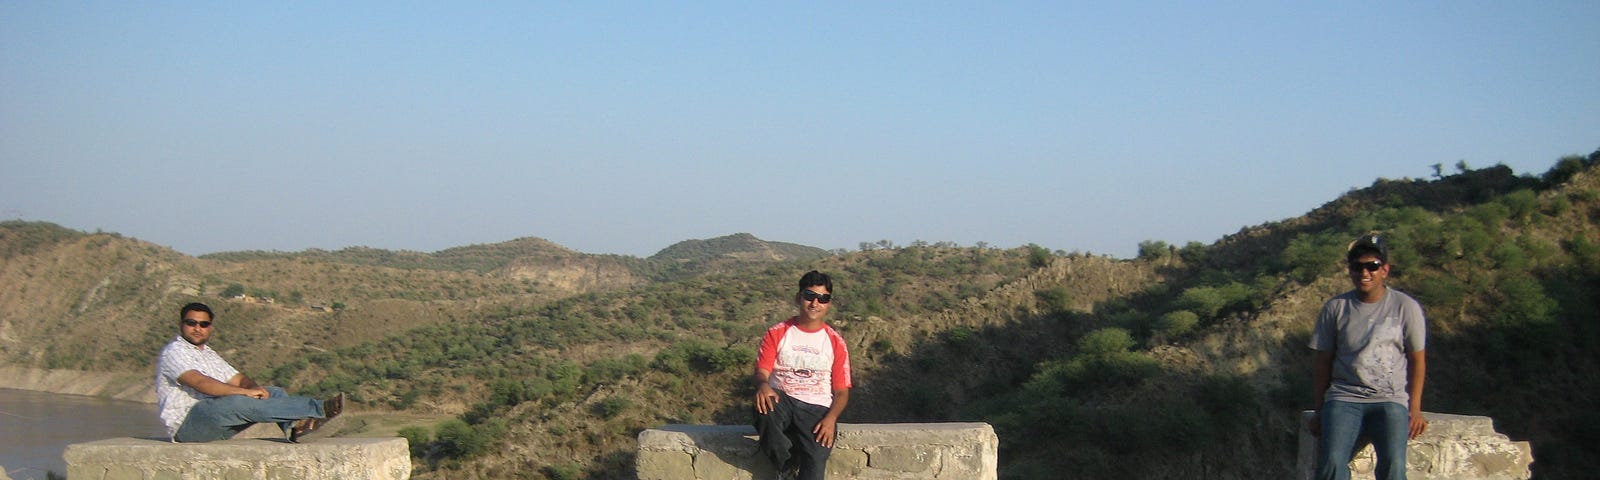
x,y
185,341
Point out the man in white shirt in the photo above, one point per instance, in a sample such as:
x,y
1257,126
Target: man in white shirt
x,y
202,398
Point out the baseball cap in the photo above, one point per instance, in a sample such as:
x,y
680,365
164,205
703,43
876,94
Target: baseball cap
x,y
1373,243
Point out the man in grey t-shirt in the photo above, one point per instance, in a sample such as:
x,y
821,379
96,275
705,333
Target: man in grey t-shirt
x,y
1369,368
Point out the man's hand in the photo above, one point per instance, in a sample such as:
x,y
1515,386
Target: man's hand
x,y
259,393
766,398
825,431
1314,425
1419,424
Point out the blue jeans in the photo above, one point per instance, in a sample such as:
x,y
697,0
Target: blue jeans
x,y
1386,424
219,418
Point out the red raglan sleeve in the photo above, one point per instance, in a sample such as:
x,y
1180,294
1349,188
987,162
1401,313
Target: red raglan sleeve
x,y
767,355
841,362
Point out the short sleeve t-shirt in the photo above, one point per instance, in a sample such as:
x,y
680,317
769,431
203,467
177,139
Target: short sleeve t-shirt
x,y
1370,343
175,399
808,366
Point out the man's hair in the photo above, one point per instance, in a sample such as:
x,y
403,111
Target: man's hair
x,y
197,307
814,278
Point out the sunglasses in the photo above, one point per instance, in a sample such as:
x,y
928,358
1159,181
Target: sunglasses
x,y
192,323
807,295
1371,266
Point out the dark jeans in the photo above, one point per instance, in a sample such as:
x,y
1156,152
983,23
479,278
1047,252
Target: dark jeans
x,y
219,418
785,436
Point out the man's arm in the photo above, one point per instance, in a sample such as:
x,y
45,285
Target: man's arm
x,y
242,380
1321,378
826,429
213,387
1416,374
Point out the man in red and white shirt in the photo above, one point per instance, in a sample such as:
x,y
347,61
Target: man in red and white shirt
x,y
802,383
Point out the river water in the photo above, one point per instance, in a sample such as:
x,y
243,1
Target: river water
x,y
36,427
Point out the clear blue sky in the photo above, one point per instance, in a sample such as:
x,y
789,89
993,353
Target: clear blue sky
x,y
626,127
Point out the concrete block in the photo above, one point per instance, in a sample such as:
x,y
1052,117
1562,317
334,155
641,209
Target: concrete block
x,y
844,463
665,465
965,451
242,459
902,458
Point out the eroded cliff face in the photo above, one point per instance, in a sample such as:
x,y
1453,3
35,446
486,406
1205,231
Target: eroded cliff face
x,y
572,275
130,386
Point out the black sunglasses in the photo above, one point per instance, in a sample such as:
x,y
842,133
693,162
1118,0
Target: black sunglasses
x,y
807,295
192,323
1371,266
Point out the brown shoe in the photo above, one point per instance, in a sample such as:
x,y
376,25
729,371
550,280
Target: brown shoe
x,y
333,407
303,427
306,427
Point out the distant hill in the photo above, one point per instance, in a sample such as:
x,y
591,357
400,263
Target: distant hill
x,y
478,258
739,246
727,253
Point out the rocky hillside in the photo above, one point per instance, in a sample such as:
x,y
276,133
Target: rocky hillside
x,y
1186,362
275,304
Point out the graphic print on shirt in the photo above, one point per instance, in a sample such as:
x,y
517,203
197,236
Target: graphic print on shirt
x,y
1384,369
805,363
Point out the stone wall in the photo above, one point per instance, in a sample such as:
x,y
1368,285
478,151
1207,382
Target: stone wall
x,y
955,451
1454,447
239,459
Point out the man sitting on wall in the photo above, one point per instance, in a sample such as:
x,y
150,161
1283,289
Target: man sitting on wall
x,y
202,398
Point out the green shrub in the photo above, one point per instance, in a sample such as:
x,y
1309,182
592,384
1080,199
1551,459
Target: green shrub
x,y
1438,290
457,439
1154,250
1177,323
1564,169
1525,302
702,356
1509,256
1055,299
417,438
566,471
1520,205
1038,257
1193,252
1203,301
611,407
671,360
1310,256
1105,341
